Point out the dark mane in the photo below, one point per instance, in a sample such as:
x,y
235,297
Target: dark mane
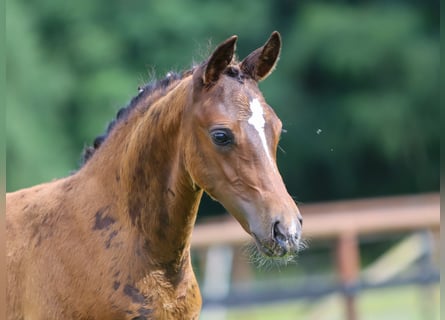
x,y
144,92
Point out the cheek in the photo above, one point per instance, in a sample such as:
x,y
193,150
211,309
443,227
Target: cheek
x,y
213,173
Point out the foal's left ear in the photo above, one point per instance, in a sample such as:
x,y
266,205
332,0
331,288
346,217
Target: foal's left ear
x,y
261,62
219,60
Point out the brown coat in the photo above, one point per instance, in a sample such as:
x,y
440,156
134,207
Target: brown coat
x,y
112,241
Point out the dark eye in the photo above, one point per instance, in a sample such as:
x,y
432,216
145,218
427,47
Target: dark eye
x,y
222,137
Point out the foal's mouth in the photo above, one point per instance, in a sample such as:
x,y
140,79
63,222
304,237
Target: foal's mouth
x,y
273,248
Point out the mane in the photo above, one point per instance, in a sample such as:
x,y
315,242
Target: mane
x,y
155,89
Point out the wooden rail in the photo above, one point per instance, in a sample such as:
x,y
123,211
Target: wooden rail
x,y
343,221
330,220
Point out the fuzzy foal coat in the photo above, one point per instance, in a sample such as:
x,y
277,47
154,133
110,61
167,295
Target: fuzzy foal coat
x,y
112,241
89,246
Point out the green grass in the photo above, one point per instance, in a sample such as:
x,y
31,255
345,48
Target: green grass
x,y
404,303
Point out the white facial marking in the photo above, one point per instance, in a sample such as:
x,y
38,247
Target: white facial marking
x,y
258,122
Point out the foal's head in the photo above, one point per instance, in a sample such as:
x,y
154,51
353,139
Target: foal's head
x,y
231,145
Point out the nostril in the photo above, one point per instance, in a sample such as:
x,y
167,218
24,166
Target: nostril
x,y
300,219
277,234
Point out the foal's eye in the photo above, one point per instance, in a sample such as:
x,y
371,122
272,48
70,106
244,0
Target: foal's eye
x,y
222,137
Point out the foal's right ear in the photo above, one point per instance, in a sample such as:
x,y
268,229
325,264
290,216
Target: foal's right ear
x,y
219,60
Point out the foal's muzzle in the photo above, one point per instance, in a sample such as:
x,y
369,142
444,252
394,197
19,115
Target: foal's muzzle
x,y
283,240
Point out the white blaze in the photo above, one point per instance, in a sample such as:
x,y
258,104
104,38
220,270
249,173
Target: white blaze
x,y
258,122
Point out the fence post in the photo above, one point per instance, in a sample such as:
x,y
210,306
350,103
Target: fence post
x,y
348,269
216,282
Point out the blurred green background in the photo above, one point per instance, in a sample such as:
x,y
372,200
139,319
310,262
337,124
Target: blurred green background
x,y
357,86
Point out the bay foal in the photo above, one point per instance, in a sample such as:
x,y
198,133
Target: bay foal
x,y
112,241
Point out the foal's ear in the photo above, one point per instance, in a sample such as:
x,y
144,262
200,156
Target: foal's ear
x,y
219,60
261,62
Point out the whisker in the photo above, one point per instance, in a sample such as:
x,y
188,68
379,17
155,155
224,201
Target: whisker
x,y
266,263
303,244
281,149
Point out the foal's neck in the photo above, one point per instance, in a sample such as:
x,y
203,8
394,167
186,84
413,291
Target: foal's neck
x,y
155,195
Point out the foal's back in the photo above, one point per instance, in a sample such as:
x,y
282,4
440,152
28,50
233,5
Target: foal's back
x,y
52,256
31,216
40,225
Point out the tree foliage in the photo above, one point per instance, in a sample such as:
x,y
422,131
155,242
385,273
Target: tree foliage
x,y
357,86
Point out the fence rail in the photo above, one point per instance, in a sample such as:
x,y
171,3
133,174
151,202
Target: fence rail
x,y
344,222
331,220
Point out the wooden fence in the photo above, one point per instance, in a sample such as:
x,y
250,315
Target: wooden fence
x,y
343,222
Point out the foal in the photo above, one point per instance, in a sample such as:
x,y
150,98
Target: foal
x,y
112,241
